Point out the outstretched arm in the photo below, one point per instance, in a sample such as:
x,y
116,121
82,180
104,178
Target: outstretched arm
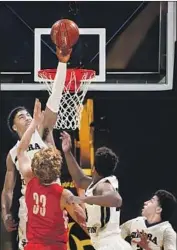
x,y
81,180
52,106
23,159
104,195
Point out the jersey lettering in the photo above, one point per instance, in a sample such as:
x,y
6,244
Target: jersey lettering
x,y
40,204
149,236
34,146
92,230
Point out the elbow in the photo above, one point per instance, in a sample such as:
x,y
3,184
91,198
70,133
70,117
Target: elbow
x,y
118,201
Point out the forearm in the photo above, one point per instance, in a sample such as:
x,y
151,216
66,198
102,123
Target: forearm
x,y
26,138
53,102
57,90
105,200
75,171
6,202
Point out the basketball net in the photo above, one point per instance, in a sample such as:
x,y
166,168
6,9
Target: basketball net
x,y
75,89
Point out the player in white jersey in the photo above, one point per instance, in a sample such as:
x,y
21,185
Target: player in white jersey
x,y
152,231
18,121
102,200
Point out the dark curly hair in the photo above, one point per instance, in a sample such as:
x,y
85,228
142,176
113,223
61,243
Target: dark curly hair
x,y
46,165
11,117
105,161
167,202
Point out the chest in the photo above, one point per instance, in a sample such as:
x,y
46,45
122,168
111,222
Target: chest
x,y
35,145
154,234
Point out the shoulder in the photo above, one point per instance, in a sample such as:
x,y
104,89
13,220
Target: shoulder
x,y
169,237
168,230
66,194
105,184
30,185
13,152
135,220
109,180
32,182
14,147
9,162
139,218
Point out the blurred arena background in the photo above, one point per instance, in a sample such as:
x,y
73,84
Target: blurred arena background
x,y
130,107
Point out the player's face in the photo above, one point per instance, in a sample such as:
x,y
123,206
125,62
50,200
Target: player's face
x,y
22,121
151,207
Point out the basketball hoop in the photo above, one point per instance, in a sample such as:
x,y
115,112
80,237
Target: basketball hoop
x,y
75,89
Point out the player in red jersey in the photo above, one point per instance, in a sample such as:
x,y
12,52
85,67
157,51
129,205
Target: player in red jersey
x,y
46,199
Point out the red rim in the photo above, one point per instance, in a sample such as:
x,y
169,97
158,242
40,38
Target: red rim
x,y
74,77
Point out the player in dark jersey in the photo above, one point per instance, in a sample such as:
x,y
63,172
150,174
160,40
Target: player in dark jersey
x,y
46,199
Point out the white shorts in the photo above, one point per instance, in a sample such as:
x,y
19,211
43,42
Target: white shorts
x,y
22,214
112,243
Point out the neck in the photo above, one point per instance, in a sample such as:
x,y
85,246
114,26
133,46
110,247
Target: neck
x,y
20,135
153,219
96,178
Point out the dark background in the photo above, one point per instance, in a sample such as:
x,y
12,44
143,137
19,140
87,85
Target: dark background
x,y
19,19
141,127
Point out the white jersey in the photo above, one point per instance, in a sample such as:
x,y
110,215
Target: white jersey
x,y
161,235
102,222
36,144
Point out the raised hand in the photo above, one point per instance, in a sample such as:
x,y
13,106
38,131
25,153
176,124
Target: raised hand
x,y
38,115
63,54
143,241
66,142
9,223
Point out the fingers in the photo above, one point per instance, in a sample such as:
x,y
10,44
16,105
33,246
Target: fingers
x,y
11,228
37,106
65,135
42,115
63,51
10,225
69,51
135,241
38,103
37,110
142,235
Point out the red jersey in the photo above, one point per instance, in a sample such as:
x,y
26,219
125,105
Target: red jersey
x,y
46,224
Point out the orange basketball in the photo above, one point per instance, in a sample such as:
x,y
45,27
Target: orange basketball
x,y
65,34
